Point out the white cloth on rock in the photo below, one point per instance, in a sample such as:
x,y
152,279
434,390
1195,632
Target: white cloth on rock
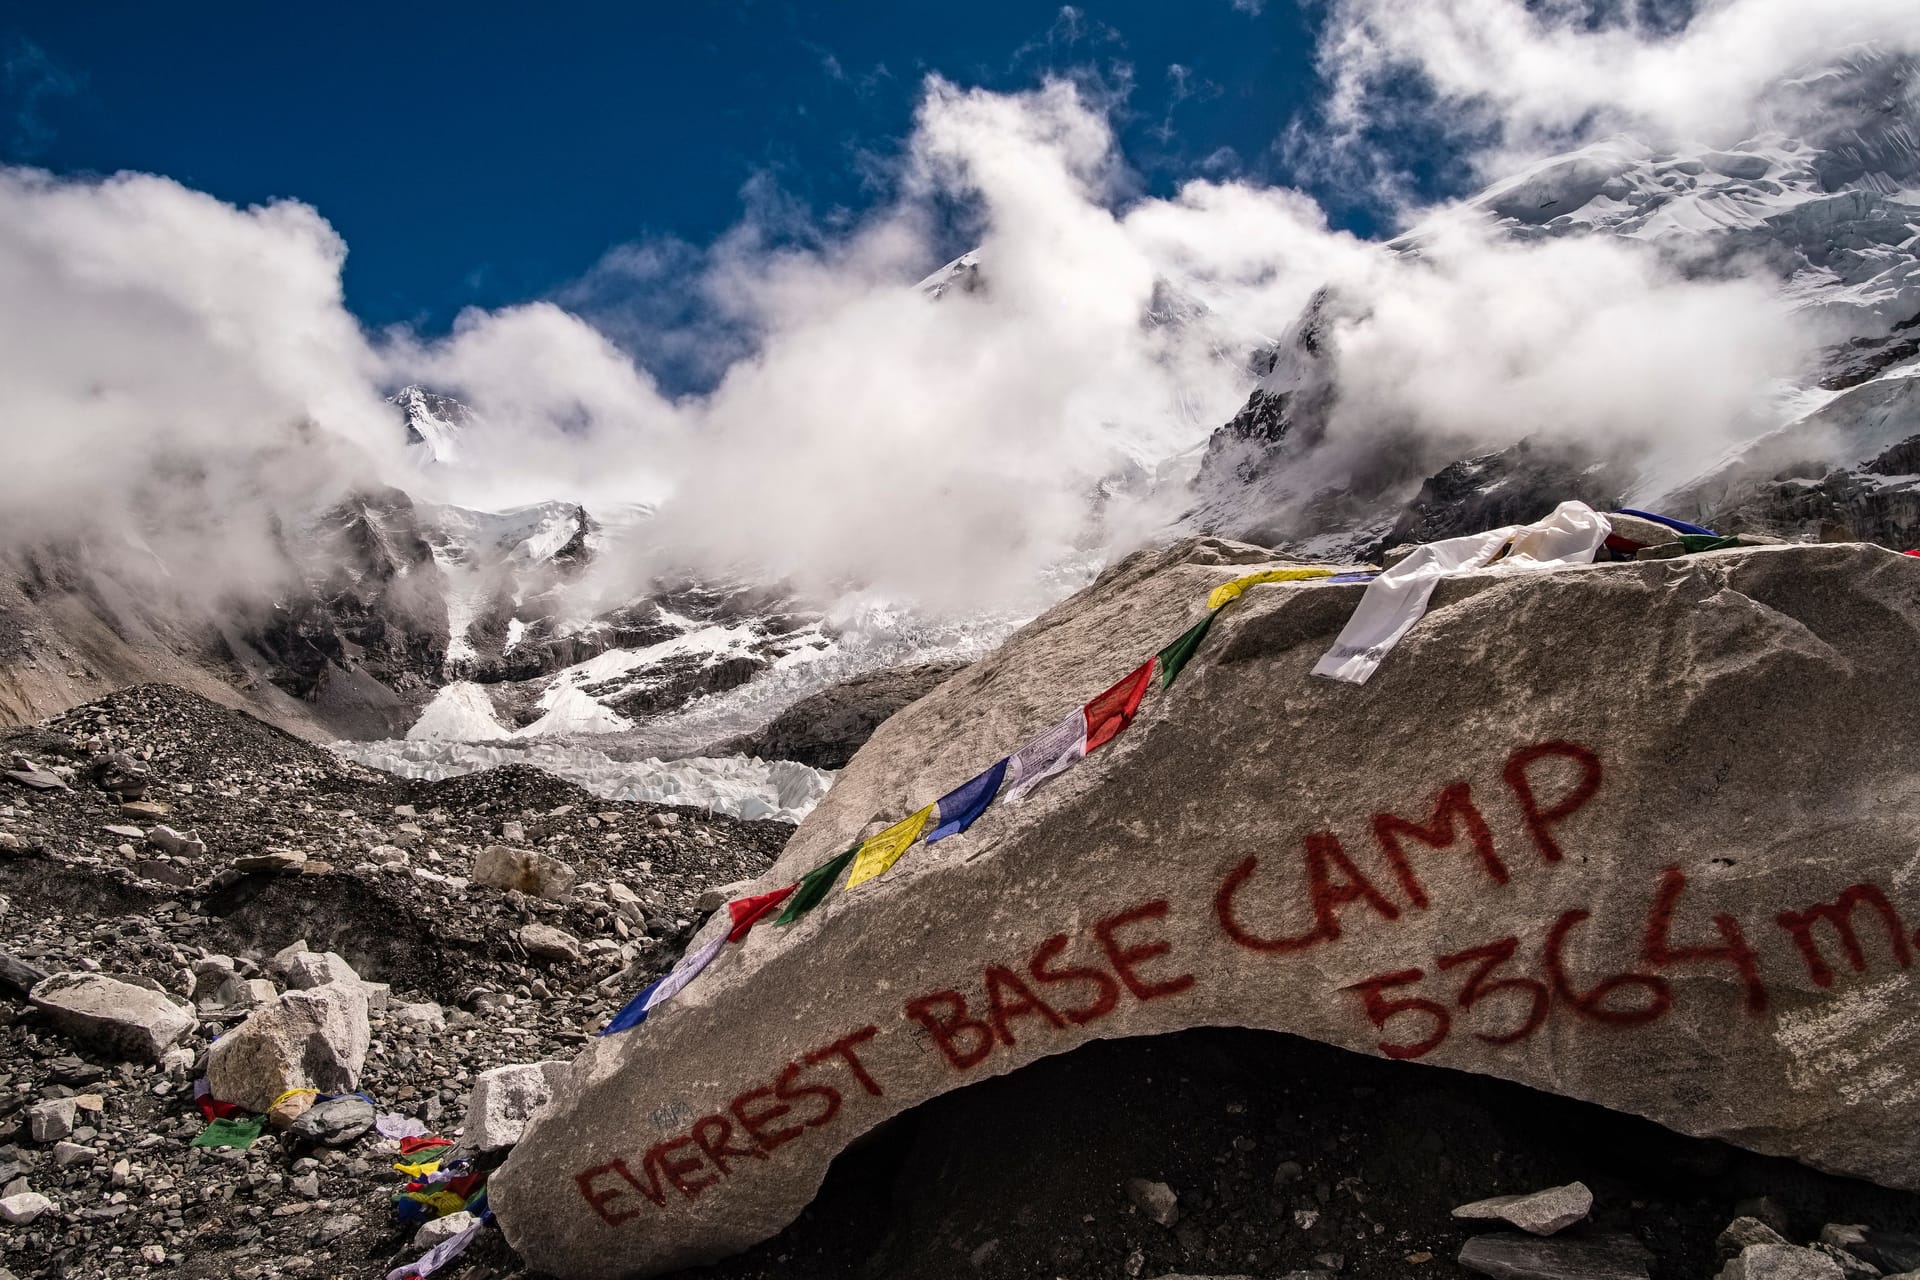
x,y
1397,599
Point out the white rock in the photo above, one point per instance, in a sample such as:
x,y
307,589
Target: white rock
x,y
305,970
51,1120
19,1210
544,942
504,1100
500,867
426,1014
1781,1262
115,1015
167,840
315,1039
440,1230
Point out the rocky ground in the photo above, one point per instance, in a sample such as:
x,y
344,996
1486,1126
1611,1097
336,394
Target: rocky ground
x,y
1216,1153
284,842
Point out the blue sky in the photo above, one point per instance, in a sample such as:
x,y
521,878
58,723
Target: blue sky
x,y
475,155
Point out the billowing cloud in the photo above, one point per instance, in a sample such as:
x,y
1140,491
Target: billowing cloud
x,y
177,368
1532,78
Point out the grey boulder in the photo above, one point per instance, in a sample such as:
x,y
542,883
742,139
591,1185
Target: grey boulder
x,y
1512,1256
1781,1262
1618,832
503,1102
117,1016
22,1208
335,1122
501,867
544,942
1539,1213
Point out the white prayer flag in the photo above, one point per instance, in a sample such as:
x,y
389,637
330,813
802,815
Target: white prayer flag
x,y
1397,599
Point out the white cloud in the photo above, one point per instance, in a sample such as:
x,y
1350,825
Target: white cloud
x,y
175,368
1539,76
172,363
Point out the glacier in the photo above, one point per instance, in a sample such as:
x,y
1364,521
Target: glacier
x,y
739,786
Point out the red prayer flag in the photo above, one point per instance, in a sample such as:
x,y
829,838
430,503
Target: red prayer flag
x,y
747,912
214,1109
1113,710
426,1142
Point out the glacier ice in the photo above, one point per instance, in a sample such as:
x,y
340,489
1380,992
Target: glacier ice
x,y
740,786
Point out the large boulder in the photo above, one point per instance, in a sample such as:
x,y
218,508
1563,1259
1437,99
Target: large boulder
x,y
133,1022
314,1039
1636,833
501,867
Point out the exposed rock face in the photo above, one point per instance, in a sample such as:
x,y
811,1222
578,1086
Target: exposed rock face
x,y
1514,486
826,729
1613,832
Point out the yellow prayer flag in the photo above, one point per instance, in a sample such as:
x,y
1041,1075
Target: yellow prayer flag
x,y
877,853
420,1169
1230,591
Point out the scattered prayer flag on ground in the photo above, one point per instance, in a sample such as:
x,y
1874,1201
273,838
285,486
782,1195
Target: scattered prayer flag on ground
x,y
877,853
815,886
391,1124
1113,710
1181,651
230,1132
211,1107
1228,592
438,1256
1055,751
423,1142
747,912
960,808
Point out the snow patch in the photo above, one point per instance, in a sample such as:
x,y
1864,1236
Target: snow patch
x,y
460,712
571,711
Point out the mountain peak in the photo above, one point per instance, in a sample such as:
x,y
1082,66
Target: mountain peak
x,y
435,422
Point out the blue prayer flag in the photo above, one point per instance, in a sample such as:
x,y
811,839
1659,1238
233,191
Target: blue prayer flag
x,y
633,1014
1680,525
961,807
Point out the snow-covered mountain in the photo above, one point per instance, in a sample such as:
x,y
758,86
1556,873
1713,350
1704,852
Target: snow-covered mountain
x,y
449,638
1829,211
435,424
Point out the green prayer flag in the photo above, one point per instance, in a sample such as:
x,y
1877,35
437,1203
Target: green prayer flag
x,y
233,1132
1695,543
1181,651
815,885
